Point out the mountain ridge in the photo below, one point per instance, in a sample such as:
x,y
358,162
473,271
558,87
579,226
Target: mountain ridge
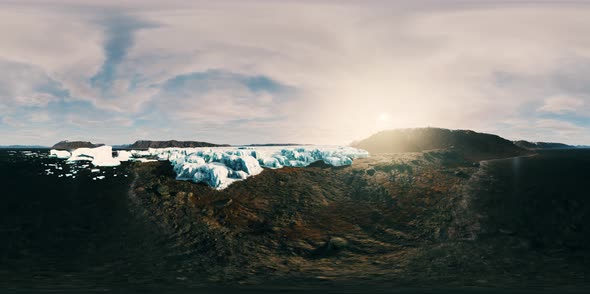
x,y
541,145
472,145
145,144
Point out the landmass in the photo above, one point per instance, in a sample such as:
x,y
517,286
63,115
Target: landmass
x,y
466,143
69,145
23,147
145,144
541,145
437,208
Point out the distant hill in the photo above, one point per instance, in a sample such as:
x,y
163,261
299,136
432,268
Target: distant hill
x,y
64,145
472,145
275,144
145,144
541,145
122,146
23,147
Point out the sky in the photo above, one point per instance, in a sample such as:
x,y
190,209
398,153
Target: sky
x,y
320,72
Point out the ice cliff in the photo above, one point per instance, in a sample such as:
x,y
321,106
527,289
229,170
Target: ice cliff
x,y
220,166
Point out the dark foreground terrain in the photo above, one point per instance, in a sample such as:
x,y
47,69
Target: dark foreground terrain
x,y
401,223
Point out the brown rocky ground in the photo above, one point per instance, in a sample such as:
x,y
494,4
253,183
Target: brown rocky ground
x,y
405,219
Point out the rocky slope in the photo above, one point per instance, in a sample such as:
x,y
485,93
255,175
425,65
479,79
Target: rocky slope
x,y
145,144
540,145
421,218
469,144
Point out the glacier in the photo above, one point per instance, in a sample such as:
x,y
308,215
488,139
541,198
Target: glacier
x,y
219,167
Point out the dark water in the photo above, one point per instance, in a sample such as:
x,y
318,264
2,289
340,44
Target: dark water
x,y
545,198
65,234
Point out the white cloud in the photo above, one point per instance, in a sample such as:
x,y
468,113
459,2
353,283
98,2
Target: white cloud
x,y
25,85
457,66
548,130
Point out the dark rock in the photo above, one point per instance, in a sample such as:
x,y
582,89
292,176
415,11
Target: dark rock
x,y
460,174
333,246
207,212
337,243
223,203
441,233
163,190
371,172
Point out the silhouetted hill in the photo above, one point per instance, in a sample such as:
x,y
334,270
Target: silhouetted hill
x,y
472,145
145,144
74,145
540,145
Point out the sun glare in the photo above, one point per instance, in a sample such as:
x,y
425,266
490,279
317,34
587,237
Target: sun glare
x,y
383,117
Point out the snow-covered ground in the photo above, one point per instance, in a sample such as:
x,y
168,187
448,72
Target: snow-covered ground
x,y
219,166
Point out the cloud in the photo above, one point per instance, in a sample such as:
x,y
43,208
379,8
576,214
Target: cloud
x,y
561,105
304,71
24,85
219,97
119,30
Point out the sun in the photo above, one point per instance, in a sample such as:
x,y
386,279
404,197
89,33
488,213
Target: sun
x,y
383,117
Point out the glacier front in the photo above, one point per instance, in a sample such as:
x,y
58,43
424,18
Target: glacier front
x,y
218,167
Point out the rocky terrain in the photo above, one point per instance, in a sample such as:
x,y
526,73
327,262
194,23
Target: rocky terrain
x,y
424,218
145,144
429,208
68,145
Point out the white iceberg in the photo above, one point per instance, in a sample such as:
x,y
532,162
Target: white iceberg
x,y
61,154
99,156
123,155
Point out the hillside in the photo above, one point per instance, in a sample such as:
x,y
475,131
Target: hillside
x,y
74,145
471,145
145,144
540,145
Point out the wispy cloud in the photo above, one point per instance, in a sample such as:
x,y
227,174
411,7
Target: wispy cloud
x,y
119,35
561,105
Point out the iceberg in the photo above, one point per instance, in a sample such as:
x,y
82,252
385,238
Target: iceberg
x,y
99,156
219,167
123,155
61,154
